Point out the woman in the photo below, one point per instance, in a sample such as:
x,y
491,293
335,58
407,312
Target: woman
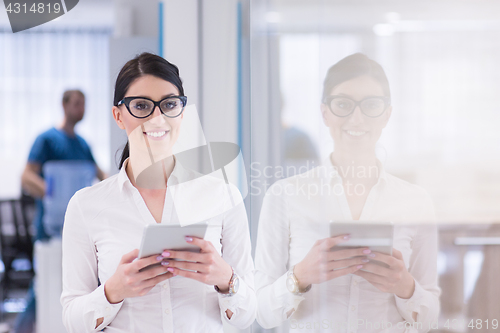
x,y
104,284
298,275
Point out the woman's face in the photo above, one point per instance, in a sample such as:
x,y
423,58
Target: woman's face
x,y
356,132
156,132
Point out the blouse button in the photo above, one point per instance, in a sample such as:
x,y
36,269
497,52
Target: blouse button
x,y
353,308
167,311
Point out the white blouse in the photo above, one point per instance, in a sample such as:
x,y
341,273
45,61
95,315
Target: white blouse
x,y
105,221
296,212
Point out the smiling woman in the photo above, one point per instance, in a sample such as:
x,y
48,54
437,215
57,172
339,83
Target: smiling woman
x,y
355,112
299,274
144,120
104,224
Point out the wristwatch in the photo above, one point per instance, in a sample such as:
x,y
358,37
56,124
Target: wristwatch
x,y
292,284
234,285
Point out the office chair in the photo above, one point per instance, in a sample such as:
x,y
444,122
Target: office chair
x,y
16,242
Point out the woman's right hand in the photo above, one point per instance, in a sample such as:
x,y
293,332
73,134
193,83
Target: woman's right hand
x,y
321,264
128,281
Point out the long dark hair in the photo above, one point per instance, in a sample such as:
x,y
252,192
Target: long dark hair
x,y
144,64
351,67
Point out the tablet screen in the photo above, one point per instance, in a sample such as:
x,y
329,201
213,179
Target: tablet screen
x,y
159,237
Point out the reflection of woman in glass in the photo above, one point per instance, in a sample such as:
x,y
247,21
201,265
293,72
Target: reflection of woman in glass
x,y
298,276
104,284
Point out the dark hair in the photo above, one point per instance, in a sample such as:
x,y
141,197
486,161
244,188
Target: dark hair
x,y
351,67
68,93
144,64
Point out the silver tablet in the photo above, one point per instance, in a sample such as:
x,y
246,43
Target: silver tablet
x,y
159,237
376,236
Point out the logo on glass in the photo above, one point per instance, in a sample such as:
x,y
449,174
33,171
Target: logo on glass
x,y
26,14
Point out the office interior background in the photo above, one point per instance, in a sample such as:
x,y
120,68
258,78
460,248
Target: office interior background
x,y
255,69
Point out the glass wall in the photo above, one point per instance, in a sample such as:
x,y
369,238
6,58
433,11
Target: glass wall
x,y
442,70
369,140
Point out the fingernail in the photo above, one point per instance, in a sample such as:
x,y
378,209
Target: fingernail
x,y
372,255
170,269
367,251
365,260
166,254
347,236
359,266
189,239
159,258
164,263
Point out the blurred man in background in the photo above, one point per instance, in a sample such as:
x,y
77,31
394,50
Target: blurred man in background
x,y
56,144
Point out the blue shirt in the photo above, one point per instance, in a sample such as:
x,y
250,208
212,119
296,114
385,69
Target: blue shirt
x,y
55,145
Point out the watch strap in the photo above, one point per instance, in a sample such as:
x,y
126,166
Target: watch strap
x,y
293,280
231,290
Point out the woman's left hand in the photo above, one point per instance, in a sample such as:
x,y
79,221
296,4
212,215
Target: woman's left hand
x,y
208,265
396,279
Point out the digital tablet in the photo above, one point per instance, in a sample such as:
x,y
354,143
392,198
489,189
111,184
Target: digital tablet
x,y
159,237
378,237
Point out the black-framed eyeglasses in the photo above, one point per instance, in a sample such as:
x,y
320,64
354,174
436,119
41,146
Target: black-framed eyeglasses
x,y
343,106
143,107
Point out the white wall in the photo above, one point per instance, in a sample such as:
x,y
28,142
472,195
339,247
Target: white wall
x,y
135,31
200,38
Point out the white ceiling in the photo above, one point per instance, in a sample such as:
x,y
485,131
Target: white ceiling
x,y
316,15
325,15
88,13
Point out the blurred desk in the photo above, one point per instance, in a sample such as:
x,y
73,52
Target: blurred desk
x,y
470,283
48,286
